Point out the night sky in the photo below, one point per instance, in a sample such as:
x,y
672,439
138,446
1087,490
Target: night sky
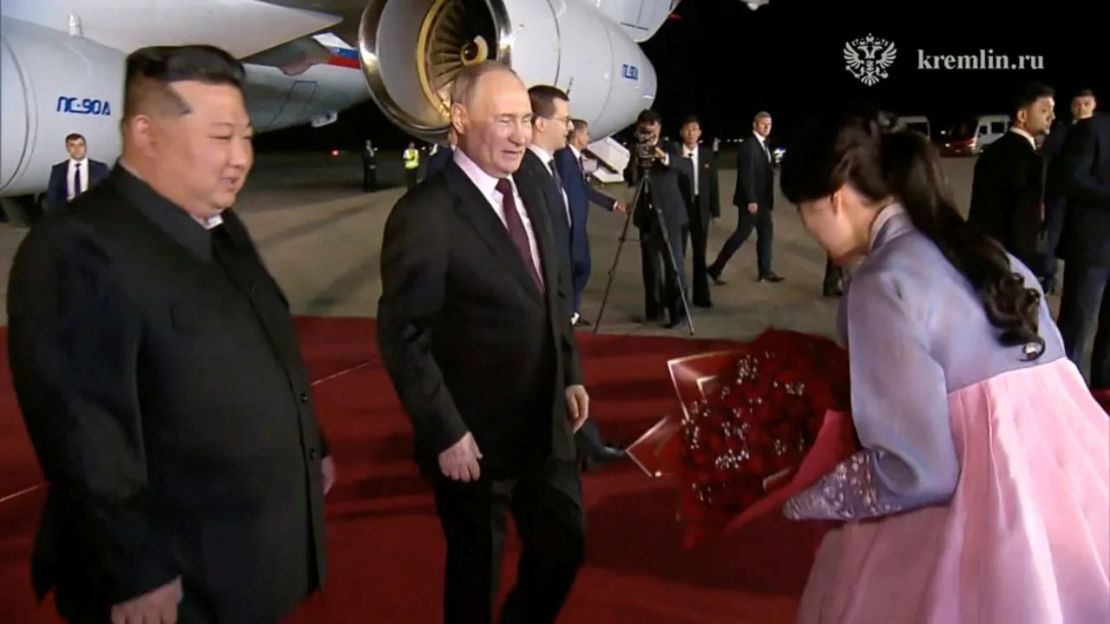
x,y
723,62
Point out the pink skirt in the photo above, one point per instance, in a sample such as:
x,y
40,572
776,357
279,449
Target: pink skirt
x,y
1025,537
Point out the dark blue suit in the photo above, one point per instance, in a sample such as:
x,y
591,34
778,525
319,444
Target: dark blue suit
x,y
56,189
755,184
1085,182
1055,202
579,195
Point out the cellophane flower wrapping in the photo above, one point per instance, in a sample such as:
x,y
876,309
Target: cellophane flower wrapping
x,y
759,423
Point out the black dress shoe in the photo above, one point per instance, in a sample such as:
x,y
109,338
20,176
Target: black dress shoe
x,y
676,320
582,322
770,277
598,456
716,277
832,292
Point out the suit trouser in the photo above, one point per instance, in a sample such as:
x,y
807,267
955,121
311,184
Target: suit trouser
x,y
369,178
1085,299
588,437
699,241
765,230
580,275
661,283
546,505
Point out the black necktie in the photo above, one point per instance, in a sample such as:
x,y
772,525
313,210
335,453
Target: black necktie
x,y
555,174
76,183
559,186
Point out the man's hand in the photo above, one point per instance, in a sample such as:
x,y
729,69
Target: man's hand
x,y
155,607
619,207
753,207
327,467
578,406
460,462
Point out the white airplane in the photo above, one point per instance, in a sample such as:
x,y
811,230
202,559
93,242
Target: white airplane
x,y
62,62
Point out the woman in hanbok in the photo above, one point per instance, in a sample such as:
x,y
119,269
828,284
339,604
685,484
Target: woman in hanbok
x,y
981,492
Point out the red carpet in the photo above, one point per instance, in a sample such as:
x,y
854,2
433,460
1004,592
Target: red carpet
x,y
385,546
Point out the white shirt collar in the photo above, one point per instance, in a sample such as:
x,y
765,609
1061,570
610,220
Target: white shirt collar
x,y
212,222
1028,137
885,215
486,183
84,162
759,136
577,153
690,151
544,155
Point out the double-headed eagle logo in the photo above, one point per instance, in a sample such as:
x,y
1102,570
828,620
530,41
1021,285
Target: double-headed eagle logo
x,y
868,58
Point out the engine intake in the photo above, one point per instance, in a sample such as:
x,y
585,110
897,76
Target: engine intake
x,y
412,50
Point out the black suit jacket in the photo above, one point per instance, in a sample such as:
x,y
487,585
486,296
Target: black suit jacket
x,y
1006,194
534,173
755,177
168,406
1085,181
665,190
439,160
707,194
58,185
470,343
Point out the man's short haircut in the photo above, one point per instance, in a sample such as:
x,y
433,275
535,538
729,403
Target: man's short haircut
x,y
580,125
151,71
1084,93
462,89
690,119
1027,95
73,136
761,115
543,100
648,117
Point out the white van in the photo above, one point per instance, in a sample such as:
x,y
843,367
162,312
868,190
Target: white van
x,y
972,135
920,123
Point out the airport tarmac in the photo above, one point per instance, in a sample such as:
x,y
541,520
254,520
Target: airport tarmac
x,y
321,237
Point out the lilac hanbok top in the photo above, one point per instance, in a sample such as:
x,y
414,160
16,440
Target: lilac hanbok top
x,y
915,331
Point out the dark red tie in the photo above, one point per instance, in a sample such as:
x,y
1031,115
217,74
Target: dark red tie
x,y
516,229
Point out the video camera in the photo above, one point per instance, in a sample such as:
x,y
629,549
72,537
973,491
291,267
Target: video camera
x,y
645,148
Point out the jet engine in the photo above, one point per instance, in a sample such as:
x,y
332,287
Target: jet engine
x,y
411,50
53,85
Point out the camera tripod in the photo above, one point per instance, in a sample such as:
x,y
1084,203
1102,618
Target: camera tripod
x,y
643,195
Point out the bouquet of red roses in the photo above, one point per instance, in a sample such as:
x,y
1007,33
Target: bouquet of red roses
x,y
759,424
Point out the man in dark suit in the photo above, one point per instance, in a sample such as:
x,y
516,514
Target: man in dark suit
x,y
443,155
703,203
77,174
1007,190
159,376
369,167
1055,202
663,286
473,330
754,198
550,121
1085,165
568,161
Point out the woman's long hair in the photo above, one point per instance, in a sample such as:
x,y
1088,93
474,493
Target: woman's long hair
x,y
879,162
